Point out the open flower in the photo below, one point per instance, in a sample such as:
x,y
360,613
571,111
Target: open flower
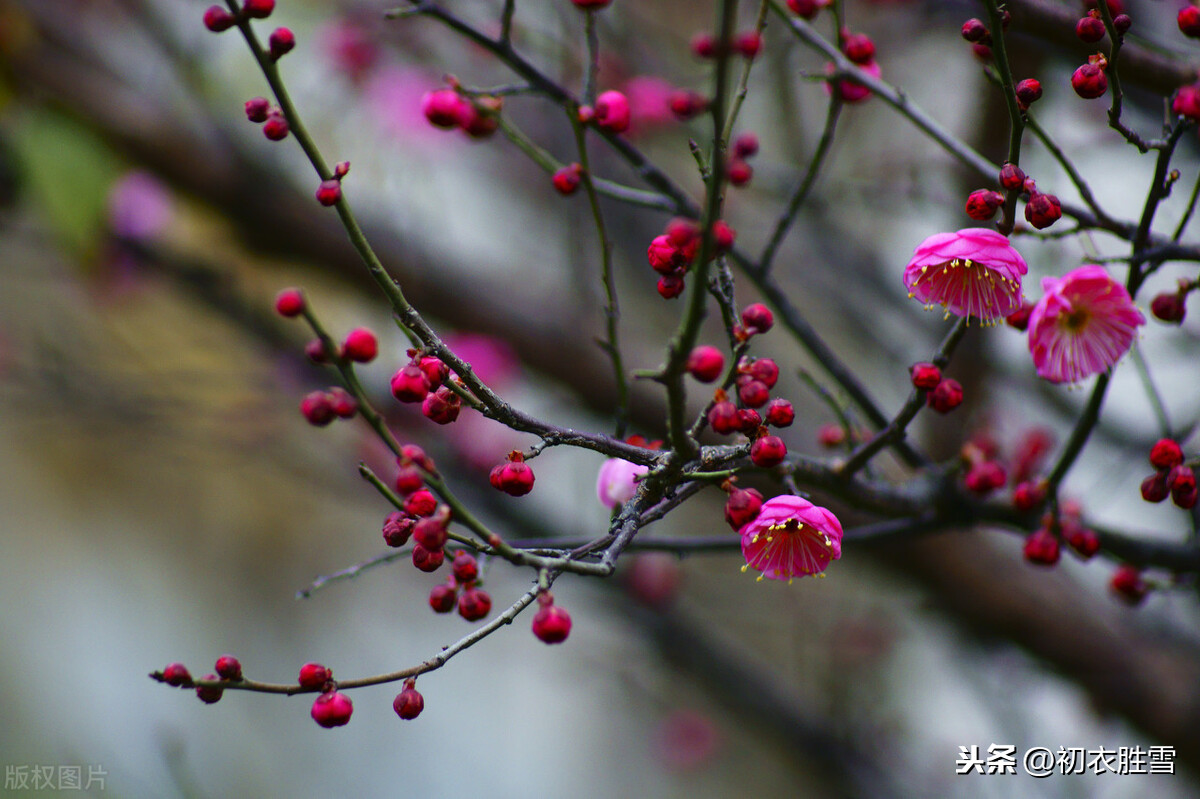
x,y
617,482
1082,326
972,272
791,537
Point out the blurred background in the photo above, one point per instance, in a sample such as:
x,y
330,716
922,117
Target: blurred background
x,y
162,499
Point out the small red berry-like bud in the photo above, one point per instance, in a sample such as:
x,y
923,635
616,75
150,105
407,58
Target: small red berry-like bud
x,y
567,179
757,318
704,45
258,9
1127,583
329,192
316,352
1189,21
806,9
768,451
410,384
478,119
1029,91
1089,81
1042,548
229,668
257,109
749,44
465,567
946,397
984,478
276,127
765,370
1183,486
217,19
474,604
1090,29
742,507
341,169
289,303
1085,542
409,703
612,112
925,376
1122,23
443,598
739,172
1165,454
343,402
281,42
1012,177
831,435
745,145
442,107
435,371
332,709
414,454
748,421
1155,488
705,363
670,286
681,232
209,695
427,560
754,394
723,236
441,406
177,675
431,533
982,204
1028,495
514,478
1187,102
982,52
859,48
397,527
551,624
780,413
1019,319
664,256
974,31
421,503
317,407
722,417
685,104
1043,210
1169,307
313,676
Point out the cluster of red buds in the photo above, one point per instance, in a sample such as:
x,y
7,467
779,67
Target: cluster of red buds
x,y
747,44
461,590
611,112
478,117
943,394
424,379
738,168
1041,210
672,253
218,19
1174,476
259,110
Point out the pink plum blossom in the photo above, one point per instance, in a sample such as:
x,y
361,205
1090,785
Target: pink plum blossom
x,y
1082,325
139,205
791,537
617,482
972,272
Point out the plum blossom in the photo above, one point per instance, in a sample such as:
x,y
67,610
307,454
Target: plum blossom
x,y
1082,325
971,272
617,482
791,537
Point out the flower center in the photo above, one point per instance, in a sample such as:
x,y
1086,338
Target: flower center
x,y
1076,320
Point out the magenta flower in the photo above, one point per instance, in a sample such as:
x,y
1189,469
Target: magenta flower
x,y
617,482
973,272
1082,326
791,537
